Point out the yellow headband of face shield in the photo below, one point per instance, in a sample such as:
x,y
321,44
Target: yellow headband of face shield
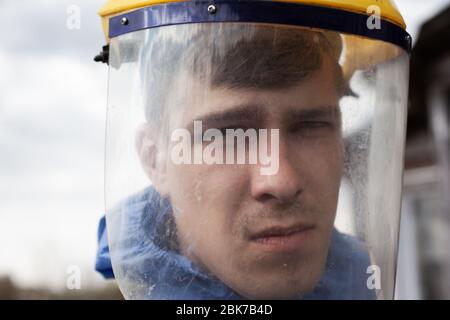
x,y
367,52
386,8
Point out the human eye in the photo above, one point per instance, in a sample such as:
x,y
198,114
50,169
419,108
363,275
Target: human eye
x,y
313,128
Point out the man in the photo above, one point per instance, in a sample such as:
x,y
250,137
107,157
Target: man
x,y
226,231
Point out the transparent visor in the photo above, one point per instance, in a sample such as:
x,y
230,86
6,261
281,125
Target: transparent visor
x,y
254,161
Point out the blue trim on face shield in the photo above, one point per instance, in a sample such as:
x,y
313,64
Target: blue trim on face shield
x,y
257,12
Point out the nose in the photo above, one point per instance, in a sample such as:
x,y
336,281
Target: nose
x,y
283,187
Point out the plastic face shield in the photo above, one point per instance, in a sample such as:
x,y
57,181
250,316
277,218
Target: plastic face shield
x,y
254,160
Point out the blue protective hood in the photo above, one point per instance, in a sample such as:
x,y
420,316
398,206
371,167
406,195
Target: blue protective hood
x,y
145,253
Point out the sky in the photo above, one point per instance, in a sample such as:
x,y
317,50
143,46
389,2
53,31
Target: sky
x,y
52,121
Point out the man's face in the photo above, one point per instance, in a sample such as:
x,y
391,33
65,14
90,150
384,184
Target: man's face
x,y
265,236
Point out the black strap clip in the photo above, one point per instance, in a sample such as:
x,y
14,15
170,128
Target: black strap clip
x,y
103,56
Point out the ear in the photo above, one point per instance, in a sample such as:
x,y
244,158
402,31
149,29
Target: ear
x,y
152,156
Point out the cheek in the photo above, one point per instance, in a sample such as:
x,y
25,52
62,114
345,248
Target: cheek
x,y
207,186
205,199
322,167
208,200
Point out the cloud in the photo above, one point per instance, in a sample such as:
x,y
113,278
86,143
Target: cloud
x,y
52,119
41,28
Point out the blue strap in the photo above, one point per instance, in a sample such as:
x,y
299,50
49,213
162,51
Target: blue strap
x,y
103,259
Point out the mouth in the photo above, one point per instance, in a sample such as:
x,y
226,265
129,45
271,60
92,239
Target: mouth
x,y
282,239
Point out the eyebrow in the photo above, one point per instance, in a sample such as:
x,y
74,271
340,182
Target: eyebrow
x,y
257,113
239,113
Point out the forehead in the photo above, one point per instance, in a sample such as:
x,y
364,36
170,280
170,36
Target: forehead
x,y
192,99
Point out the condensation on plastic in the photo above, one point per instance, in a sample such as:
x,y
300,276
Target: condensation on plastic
x,y
192,231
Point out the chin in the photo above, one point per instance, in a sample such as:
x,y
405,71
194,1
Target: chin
x,y
278,293
282,287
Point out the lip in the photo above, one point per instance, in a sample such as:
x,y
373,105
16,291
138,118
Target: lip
x,y
282,239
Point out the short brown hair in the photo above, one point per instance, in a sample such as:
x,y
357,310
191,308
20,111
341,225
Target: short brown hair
x,y
234,55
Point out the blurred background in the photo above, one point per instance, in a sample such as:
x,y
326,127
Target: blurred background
x,y
52,121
